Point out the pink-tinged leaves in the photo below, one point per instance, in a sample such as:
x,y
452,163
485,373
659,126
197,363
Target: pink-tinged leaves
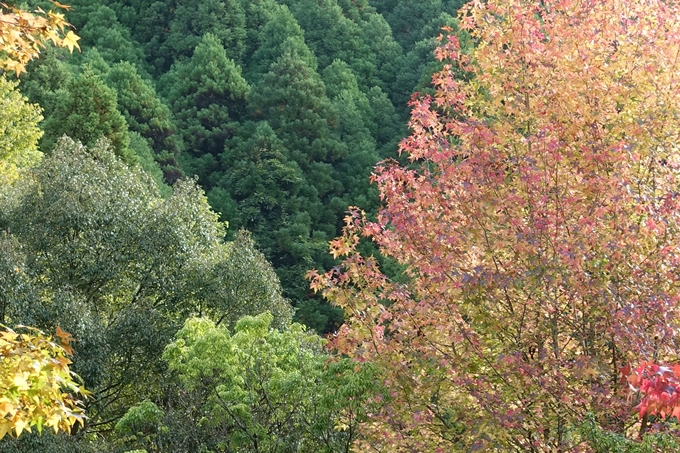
x,y
538,225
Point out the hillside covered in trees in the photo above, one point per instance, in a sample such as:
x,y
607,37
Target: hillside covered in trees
x,y
497,183
280,108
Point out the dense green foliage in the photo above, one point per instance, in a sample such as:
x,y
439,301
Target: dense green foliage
x,y
19,133
260,389
603,441
89,245
280,107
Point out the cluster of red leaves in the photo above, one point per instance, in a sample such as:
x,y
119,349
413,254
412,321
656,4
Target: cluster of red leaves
x,y
539,225
659,386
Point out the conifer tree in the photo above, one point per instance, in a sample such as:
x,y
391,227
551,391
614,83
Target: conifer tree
x,y
146,114
103,31
355,35
282,33
193,19
149,24
44,78
87,111
258,14
263,183
387,126
207,96
408,20
292,97
352,118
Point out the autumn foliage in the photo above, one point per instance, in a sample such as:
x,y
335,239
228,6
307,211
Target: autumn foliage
x,y
659,386
538,222
37,388
24,33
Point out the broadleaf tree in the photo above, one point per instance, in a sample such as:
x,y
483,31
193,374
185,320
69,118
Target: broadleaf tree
x,y
259,389
93,247
37,388
538,222
19,132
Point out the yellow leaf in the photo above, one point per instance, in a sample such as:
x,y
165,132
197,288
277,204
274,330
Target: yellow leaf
x,y
8,335
19,426
341,426
20,381
5,427
71,41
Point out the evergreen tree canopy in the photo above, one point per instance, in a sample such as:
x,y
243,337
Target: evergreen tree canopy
x,y
87,111
193,19
258,13
144,111
257,176
281,34
292,97
102,31
207,96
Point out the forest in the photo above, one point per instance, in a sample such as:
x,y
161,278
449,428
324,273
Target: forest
x,y
339,225
280,109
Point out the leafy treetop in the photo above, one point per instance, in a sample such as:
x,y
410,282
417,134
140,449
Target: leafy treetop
x,y
19,132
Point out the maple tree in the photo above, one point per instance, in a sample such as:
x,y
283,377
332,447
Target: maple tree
x,y
36,386
538,224
24,33
657,388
